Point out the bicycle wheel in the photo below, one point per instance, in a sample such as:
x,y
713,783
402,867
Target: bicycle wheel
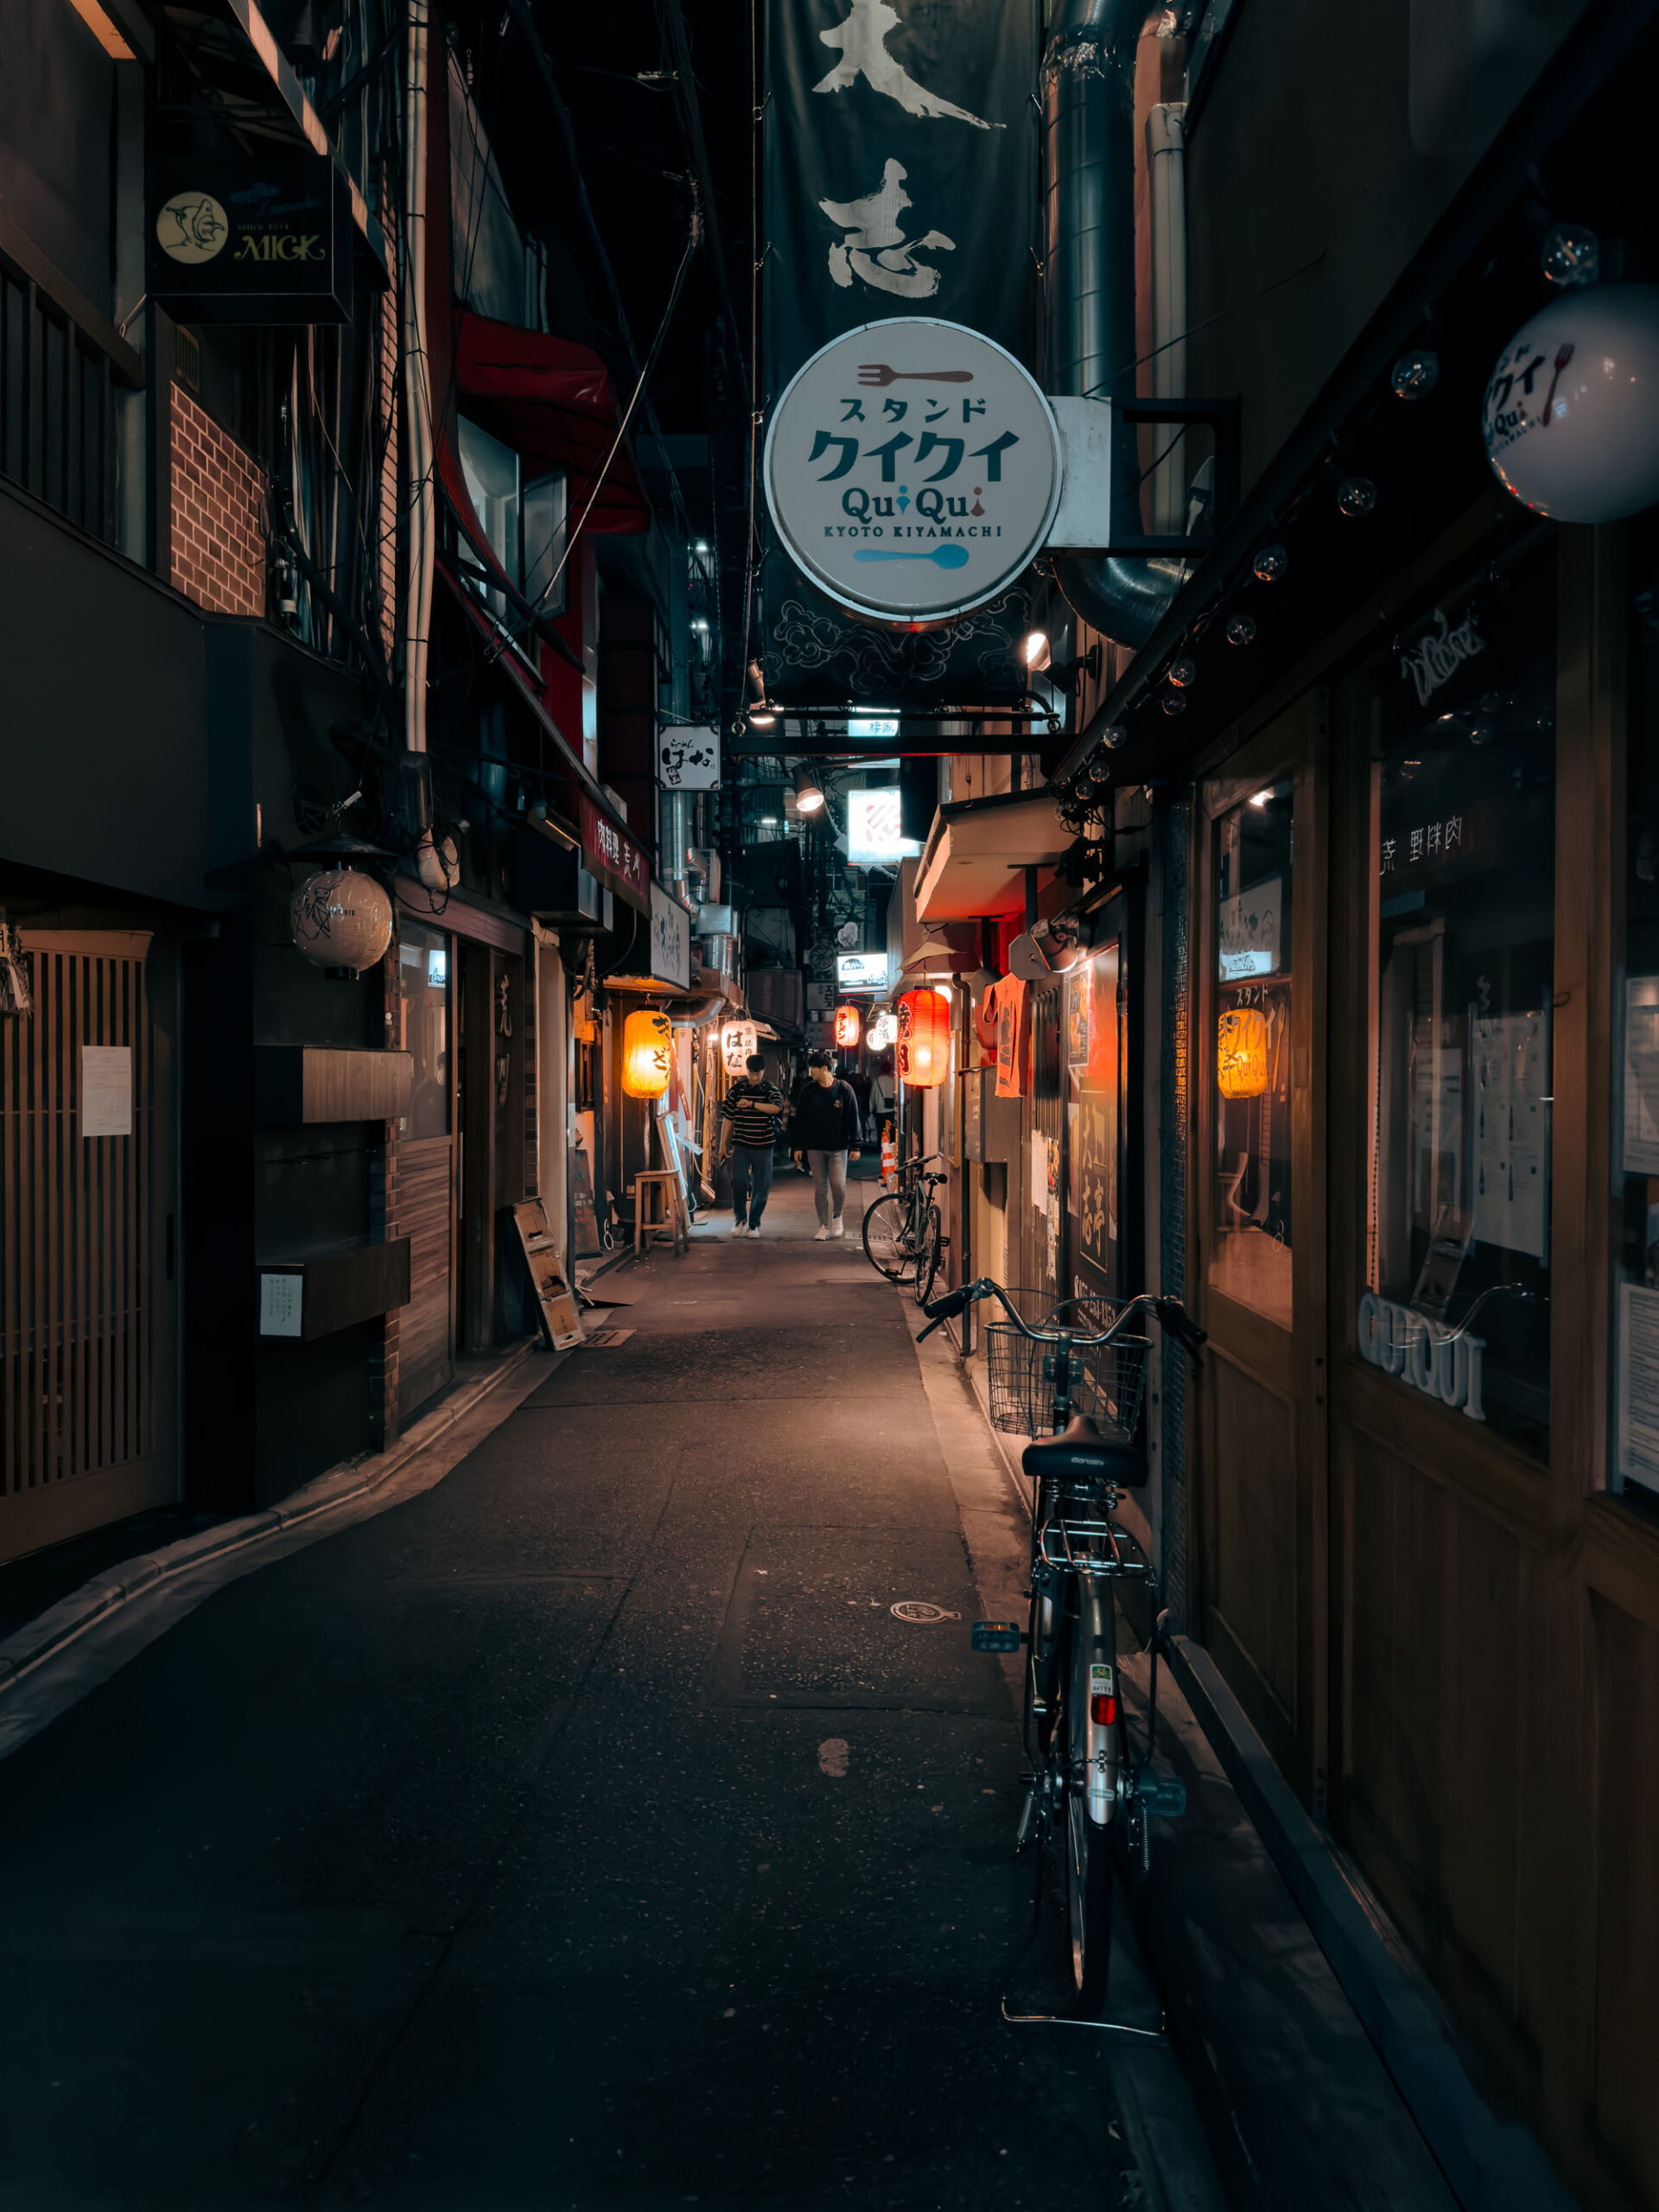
x,y
928,1252
1088,1848
887,1244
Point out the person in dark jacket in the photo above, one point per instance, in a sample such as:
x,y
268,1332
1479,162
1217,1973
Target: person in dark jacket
x,y
824,1136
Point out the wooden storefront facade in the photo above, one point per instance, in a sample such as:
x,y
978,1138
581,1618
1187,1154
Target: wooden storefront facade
x,y
1438,1597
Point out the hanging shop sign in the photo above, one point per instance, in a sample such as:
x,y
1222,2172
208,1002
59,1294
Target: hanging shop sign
x,y
1571,412
689,760
847,1026
257,237
737,1039
901,168
912,469
670,940
861,971
612,855
876,828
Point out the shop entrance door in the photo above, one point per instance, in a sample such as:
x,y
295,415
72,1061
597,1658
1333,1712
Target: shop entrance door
x,y
1258,1233
424,1166
87,1238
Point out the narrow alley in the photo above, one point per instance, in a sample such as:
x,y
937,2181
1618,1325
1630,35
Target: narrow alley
x,y
586,1831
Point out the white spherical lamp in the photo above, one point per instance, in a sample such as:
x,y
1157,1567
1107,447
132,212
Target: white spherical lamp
x,y
341,919
1571,412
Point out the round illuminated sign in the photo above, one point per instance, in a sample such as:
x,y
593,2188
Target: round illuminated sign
x,y
1571,421
192,227
912,469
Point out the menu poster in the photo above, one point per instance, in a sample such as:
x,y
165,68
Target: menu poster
x,y
1638,1384
1509,1076
1641,1115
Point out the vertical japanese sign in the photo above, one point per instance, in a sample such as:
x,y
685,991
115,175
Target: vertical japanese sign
x,y
901,169
900,179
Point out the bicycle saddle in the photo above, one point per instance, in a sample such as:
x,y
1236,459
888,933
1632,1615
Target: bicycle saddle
x,y
1083,1454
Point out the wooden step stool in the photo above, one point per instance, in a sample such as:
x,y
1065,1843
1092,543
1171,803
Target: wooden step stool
x,y
649,1223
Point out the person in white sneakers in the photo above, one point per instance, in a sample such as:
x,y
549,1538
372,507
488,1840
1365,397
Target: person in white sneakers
x,y
825,1135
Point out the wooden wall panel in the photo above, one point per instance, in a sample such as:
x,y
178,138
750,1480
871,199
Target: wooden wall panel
x,y
1625,2125
1256,1528
425,1214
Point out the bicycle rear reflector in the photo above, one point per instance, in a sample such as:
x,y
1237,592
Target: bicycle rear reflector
x,y
997,1635
1102,1710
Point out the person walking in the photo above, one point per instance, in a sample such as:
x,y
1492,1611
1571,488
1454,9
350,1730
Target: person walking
x,y
825,1136
749,1128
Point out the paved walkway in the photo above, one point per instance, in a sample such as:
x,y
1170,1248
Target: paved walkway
x,y
587,1832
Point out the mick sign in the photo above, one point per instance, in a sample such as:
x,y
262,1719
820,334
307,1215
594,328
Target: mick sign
x,y
912,469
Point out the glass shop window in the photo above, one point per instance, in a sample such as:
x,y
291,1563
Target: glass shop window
x,y
1462,872
1633,1457
524,519
493,483
422,1024
1252,1241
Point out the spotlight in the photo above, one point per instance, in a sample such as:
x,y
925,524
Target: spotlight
x,y
807,797
1036,652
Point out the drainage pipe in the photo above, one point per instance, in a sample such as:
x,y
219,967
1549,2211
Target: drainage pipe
x,y
1087,90
422,503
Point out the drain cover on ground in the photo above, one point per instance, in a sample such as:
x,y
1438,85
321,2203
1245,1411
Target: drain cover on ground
x,y
918,1608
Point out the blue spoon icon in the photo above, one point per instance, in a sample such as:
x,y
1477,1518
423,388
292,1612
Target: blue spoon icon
x,y
947,556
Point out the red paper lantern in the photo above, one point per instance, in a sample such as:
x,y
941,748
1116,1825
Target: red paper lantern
x,y
923,1039
846,1025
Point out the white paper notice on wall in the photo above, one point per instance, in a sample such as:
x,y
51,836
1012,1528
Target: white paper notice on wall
x,y
1638,1384
1642,1075
282,1305
1510,1108
106,1090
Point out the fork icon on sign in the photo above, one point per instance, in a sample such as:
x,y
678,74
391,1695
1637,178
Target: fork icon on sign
x,y
879,374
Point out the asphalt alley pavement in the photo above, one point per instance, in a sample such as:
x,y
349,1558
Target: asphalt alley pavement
x,y
587,1831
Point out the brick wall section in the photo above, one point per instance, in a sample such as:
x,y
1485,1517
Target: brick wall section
x,y
219,514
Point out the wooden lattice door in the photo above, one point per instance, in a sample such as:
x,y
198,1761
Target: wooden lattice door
x,y
86,1331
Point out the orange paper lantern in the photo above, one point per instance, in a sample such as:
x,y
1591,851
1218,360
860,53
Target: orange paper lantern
x,y
1242,1054
923,1039
846,1025
647,1051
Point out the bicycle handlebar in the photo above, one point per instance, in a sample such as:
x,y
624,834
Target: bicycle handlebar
x,y
1171,1315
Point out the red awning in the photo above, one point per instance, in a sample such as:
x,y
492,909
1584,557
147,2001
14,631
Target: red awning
x,y
552,400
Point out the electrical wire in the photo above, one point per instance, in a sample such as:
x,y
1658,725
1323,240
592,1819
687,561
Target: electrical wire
x,y
693,240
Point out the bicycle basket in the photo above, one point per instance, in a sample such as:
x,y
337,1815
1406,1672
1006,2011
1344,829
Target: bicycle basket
x,y
1105,1383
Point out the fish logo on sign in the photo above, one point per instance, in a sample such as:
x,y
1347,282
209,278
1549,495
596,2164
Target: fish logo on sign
x,y
192,227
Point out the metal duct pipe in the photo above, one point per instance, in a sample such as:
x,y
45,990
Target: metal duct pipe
x,y
1088,83
419,427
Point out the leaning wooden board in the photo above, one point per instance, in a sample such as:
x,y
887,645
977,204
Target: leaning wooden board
x,y
553,1292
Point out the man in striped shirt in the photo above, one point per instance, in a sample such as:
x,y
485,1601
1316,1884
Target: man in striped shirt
x,y
748,1130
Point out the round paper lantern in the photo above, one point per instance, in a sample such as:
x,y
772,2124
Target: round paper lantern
x,y
923,1039
1571,412
846,1025
341,919
737,1040
647,1053
1242,1054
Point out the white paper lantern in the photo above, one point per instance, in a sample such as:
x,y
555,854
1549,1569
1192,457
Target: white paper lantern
x,y
1571,411
737,1040
341,919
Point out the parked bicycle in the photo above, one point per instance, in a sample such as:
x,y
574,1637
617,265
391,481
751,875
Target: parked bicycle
x,y
904,1232
1074,1387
